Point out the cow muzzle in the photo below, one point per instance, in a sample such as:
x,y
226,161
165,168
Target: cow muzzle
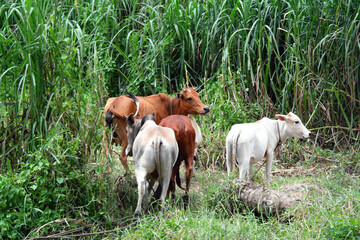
x,y
307,135
206,110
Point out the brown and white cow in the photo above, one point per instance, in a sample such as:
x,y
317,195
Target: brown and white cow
x,y
248,143
185,136
155,151
185,102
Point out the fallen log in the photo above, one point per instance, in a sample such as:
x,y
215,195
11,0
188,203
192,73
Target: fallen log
x,y
262,200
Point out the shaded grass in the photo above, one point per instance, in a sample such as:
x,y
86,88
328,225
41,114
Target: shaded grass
x,y
329,208
328,211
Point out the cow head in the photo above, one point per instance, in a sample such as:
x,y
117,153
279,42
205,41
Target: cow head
x,y
133,127
190,102
293,126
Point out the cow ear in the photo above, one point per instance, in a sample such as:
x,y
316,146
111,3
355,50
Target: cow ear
x,y
130,119
281,117
178,95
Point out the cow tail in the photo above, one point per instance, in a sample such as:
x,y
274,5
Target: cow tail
x,y
233,155
109,116
136,101
178,179
157,147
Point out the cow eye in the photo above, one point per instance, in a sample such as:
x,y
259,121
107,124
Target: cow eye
x,y
297,121
189,99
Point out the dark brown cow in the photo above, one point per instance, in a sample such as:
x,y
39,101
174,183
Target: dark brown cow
x,y
185,102
185,137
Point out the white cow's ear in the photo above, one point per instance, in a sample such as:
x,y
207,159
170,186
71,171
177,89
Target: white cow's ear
x,y
281,117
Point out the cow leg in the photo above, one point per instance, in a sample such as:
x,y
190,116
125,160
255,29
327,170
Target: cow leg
x,y
119,126
141,181
160,192
105,143
251,170
123,157
188,174
124,142
189,162
164,182
242,171
269,159
156,196
150,186
172,180
244,162
106,147
105,138
229,164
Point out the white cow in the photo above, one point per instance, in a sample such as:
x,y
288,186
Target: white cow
x,y
155,151
248,143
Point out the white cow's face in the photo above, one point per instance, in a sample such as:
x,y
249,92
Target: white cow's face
x,y
132,129
293,125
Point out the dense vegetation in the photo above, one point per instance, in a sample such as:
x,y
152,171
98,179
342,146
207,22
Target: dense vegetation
x,y
61,60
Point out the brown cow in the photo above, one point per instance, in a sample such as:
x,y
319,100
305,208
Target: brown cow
x,y
185,137
185,102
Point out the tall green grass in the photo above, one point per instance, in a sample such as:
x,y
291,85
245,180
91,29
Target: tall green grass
x,y
300,56
297,56
54,61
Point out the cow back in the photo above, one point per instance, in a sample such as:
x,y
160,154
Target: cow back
x,y
184,132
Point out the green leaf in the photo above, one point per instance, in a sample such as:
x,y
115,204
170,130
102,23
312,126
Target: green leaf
x,y
60,180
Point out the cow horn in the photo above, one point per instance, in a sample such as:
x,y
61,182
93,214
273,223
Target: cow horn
x,y
184,88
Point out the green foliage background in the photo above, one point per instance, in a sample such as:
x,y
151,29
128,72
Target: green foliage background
x,y
61,60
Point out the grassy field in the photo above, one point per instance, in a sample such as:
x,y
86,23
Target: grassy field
x,y
327,186
329,206
329,210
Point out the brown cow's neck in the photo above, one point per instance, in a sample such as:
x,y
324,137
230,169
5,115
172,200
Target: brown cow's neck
x,y
171,107
175,106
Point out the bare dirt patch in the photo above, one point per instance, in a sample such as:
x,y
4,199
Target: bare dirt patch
x,y
299,191
300,171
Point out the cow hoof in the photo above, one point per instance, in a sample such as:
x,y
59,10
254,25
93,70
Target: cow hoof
x,y
137,216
